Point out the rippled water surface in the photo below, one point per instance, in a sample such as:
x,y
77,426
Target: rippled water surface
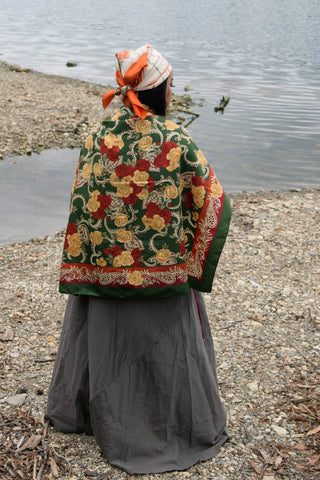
x,y
264,55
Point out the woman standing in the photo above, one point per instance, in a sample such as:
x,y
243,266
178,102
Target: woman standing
x,y
148,221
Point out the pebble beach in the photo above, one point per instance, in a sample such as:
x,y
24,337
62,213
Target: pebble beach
x,y
264,311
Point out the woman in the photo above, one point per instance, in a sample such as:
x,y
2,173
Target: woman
x,y
148,221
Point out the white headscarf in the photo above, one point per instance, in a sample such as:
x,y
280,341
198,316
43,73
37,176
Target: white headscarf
x,y
136,70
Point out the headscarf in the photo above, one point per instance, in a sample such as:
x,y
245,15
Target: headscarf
x,y
136,70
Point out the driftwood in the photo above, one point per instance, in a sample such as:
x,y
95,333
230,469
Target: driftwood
x,y
27,452
223,103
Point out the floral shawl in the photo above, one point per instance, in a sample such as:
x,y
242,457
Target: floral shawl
x,y
148,216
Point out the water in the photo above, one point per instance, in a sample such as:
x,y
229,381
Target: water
x,y
264,55
35,194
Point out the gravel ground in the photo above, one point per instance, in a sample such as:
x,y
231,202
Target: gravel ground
x,y
265,318
264,312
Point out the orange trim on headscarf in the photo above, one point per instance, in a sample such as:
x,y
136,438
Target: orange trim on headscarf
x,y
131,79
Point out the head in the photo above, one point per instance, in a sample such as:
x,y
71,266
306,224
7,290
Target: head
x,y
158,98
143,78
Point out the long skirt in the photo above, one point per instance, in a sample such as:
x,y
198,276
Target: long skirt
x,y
140,375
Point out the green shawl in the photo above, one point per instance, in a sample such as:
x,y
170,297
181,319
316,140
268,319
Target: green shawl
x,y
148,216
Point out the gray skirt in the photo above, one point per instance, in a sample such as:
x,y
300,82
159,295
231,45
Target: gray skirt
x,y
140,375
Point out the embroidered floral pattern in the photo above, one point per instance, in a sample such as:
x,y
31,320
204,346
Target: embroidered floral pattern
x,y
144,207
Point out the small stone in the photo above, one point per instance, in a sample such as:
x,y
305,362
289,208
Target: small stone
x,y
253,386
51,338
16,400
7,335
22,390
279,430
223,365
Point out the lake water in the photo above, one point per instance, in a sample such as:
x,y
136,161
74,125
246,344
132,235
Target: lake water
x,y
264,55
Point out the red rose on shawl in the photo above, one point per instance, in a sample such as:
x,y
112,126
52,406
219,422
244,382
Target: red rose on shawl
x,y
103,147
161,161
71,229
189,199
136,188
124,170
136,254
166,215
151,184
115,251
167,146
105,202
131,199
137,264
152,209
143,165
197,181
182,248
112,153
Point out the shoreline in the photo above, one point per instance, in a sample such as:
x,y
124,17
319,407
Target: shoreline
x,y
42,111
235,198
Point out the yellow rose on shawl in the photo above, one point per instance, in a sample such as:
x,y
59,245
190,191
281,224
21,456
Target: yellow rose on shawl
x,y
93,204
146,221
182,184
216,190
86,170
116,115
171,192
140,178
198,193
163,255
117,261
124,189
74,244
174,157
89,142
98,169
124,236
157,222
202,159
95,194
143,194
145,143
195,216
112,140
101,262
142,126
96,237
126,259
121,220
170,125
135,278
114,180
